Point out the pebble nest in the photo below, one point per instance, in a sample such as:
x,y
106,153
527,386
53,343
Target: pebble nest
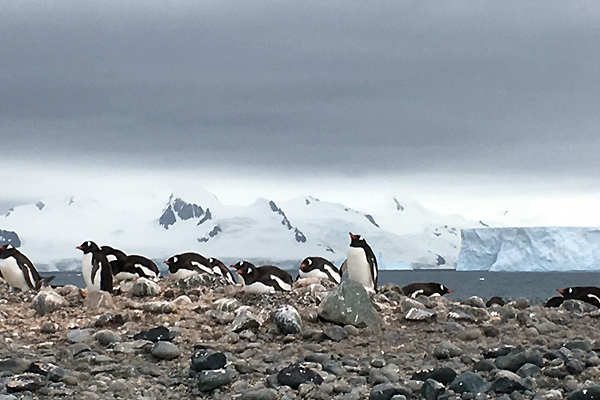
x,y
452,349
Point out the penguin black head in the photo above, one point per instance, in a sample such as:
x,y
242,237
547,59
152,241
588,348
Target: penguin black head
x,y
357,240
244,268
306,264
442,290
571,292
88,247
172,262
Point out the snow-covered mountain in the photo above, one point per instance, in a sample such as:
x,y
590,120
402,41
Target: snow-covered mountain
x,y
530,249
402,234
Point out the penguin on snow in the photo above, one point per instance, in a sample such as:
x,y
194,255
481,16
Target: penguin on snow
x,y
361,263
263,279
95,268
18,271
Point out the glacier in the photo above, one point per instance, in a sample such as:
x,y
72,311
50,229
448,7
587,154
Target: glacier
x,y
551,248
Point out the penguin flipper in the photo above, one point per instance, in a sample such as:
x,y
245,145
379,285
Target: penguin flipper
x,y
45,281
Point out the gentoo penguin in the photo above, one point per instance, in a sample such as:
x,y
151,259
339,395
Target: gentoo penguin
x,y
361,263
554,302
18,271
187,264
495,300
263,279
415,289
116,258
95,267
319,267
589,294
135,266
221,269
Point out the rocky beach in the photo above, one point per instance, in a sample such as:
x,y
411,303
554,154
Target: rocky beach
x,y
200,338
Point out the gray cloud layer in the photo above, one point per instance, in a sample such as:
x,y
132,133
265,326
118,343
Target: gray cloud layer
x,y
378,86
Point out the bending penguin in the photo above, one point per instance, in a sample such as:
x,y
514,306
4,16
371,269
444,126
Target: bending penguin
x,y
187,264
361,263
319,267
263,279
95,268
135,266
588,294
18,271
116,258
220,268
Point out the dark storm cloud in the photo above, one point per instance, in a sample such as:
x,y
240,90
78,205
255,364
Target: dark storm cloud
x,y
383,85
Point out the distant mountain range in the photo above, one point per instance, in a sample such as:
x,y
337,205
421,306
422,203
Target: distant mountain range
x,y
403,234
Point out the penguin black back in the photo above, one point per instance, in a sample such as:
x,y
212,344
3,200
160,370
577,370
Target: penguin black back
x,y
425,288
319,267
95,268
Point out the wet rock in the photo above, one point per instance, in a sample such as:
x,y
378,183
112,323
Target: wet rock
x,y
165,350
295,374
444,375
335,333
98,299
386,391
145,287
587,393
446,349
287,319
24,382
469,382
507,382
47,301
209,380
484,365
529,370
207,359
349,304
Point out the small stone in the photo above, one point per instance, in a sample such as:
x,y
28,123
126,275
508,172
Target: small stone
x,y
431,389
78,348
49,327
165,350
385,391
444,375
145,287
287,319
98,299
446,349
470,382
13,365
158,307
120,385
209,380
507,382
244,320
206,359
416,314
474,301
182,302
335,333
351,330
80,335
106,337
24,382
520,303
260,394
47,301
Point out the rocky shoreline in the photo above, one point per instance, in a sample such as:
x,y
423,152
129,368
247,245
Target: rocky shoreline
x,y
201,338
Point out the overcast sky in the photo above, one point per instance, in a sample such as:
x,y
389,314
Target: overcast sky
x,y
464,105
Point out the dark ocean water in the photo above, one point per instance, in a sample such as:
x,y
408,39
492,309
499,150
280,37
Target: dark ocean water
x,y
535,286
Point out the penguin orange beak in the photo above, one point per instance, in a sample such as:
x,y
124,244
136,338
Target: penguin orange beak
x,y
239,271
79,248
450,291
303,266
352,235
167,262
561,291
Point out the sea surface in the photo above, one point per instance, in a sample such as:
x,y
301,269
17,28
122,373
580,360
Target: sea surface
x,y
535,286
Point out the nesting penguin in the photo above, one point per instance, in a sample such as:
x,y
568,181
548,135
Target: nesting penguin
x,y
361,263
188,264
95,267
588,294
220,268
319,267
135,266
263,279
18,271
415,289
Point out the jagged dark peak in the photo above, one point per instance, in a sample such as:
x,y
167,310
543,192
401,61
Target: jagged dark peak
x,y
399,206
298,235
300,238
206,217
483,224
9,237
371,219
71,200
40,205
311,199
177,207
214,232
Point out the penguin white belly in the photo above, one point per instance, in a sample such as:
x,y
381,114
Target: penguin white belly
x,y
13,274
315,273
86,272
147,271
359,269
182,273
124,276
258,287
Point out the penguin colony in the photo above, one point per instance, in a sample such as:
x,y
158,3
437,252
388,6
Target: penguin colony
x,y
104,266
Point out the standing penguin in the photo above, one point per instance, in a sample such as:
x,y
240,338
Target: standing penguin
x,y
221,269
319,267
18,271
263,279
95,267
361,263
